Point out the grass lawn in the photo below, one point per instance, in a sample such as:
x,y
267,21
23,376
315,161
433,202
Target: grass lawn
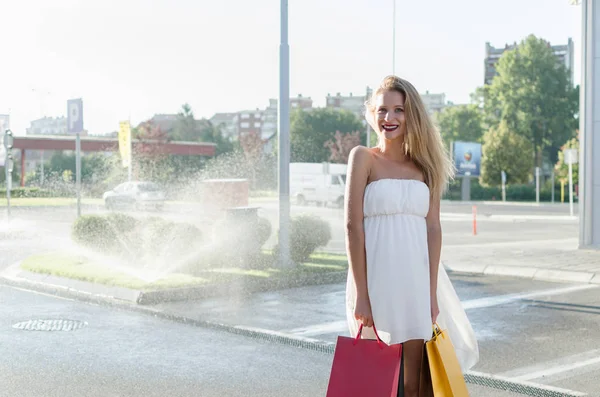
x,y
47,201
80,268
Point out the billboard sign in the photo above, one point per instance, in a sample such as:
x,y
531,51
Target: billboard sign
x,y
74,116
467,158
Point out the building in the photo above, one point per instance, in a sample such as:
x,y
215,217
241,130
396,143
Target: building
x,y
269,120
352,103
48,126
564,53
301,102
262,121
248,121
235,124
4,123
227,122
434,102
166,122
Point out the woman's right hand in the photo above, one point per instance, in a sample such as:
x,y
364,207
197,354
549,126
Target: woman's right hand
x,y
362,311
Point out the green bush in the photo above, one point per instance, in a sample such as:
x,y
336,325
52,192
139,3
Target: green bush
x,y
151,242
525,192
121,222
94,231
307,233
263,231
171,239
23,192
238,240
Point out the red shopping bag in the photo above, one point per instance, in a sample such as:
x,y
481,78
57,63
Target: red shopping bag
x,y
364,367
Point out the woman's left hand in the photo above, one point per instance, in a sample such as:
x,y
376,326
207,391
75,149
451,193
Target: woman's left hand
x,y
435,310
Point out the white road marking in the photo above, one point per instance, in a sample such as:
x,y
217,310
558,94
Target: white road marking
x,y
570,244
503,299
557,366
527,383
340,326
455,217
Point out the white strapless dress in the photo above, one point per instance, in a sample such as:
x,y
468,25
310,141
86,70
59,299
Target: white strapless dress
x,y
398,271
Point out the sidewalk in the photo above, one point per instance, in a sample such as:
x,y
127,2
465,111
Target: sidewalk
x,y
554,260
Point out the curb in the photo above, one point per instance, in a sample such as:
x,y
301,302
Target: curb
x,y
532,273
83,290
8,278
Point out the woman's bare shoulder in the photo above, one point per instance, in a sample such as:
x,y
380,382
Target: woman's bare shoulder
x,y
360,156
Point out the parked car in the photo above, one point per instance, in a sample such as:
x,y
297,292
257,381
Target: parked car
x,y
138,195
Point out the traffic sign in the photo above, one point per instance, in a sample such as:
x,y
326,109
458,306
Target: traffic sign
x,y
74,116
571,156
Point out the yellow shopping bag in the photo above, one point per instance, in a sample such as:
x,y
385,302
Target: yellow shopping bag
x,y
446,375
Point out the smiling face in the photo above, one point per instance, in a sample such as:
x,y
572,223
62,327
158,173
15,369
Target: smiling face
x,y
389,112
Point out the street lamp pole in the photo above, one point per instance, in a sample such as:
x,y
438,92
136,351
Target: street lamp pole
x,y
284,140
394,39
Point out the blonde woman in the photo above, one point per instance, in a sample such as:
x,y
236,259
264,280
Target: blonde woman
x,y
393,231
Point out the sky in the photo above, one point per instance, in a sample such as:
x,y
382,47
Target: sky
x,y
131,59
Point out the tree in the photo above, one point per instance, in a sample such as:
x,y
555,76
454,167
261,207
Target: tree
x,y
309,130
185,128
478,96
252,146
504,150
341,145
534,96
562,169
461,123
149,156
93,166
208,132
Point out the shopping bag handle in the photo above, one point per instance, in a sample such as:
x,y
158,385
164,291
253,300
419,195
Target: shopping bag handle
x,y
437,330
359,333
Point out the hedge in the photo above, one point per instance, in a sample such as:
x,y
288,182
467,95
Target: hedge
x,y
513,192
21,192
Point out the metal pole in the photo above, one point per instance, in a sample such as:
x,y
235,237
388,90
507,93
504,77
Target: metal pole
x,y
8,168
571,187
503,179
588,216
466,188
8,184
394,40
284,140
130,165
553,187
42,168
537,185
78,172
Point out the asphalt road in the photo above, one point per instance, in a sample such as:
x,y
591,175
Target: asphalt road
x,y
542,333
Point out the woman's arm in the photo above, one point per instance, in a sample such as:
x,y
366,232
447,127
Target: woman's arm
x,y
434,242
356,181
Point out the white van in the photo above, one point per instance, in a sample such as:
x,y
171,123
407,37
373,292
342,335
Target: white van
x,y
320,183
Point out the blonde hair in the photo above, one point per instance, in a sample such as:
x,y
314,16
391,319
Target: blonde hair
x,y
423,142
